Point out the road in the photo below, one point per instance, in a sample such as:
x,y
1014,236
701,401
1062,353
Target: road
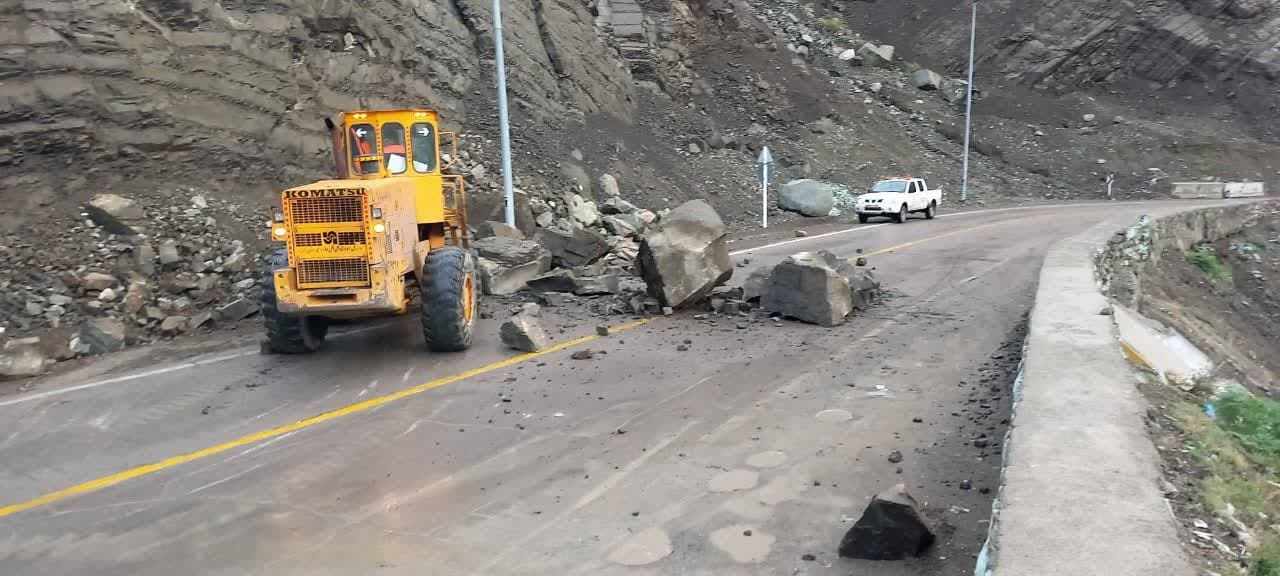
x,y
750,453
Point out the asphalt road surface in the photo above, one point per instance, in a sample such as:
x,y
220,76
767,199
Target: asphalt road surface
x,y
750,453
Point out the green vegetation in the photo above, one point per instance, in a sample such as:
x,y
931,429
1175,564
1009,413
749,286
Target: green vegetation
x,y
831,25
1205,257
1240,454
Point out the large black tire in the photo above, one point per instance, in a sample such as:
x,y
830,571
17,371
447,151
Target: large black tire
x,y
862,218
449,299
287,333
901,216
932,211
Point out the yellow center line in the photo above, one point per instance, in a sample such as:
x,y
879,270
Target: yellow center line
x,y
113,479
923,240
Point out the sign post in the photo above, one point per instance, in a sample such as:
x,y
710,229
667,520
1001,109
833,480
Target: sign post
x,y
765,164
1111,178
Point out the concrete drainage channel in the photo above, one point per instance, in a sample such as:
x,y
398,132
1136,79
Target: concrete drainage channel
x,y
1079,489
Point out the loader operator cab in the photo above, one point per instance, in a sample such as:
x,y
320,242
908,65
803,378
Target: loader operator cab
x,y
385,150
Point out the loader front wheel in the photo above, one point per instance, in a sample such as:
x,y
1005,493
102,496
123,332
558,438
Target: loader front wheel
x,y
449,299
287,333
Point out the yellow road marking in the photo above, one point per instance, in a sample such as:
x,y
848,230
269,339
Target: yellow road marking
x,y
923,240
113,479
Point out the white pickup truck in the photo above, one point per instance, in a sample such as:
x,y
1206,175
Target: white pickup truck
x,y
896,198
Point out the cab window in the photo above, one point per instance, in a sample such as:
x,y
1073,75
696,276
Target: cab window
x,y
912,190
364,144
424,148
393,148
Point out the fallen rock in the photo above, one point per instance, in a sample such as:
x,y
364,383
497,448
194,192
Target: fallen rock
x,y
756,284
824,125
498,279
103,335
237,310
615,206
173,324
559,280
573,249
809,288
806,197
97,281
685,256
145,257
596,285
607,187
926,79
623,224
850,55
524,332
200,320
236,262
115,214
891,528
22,361
135,298
583,211
509,251
873,55
491,229
169,256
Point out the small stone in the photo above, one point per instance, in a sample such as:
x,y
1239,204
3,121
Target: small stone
x,y
966,485
895,457
108,295
237,310
981,443
602,330
523,331
860,262
890,528
801,234
34,309
173,324
583,355
1108,311
809,558
200,320
682,348
97,281
667,311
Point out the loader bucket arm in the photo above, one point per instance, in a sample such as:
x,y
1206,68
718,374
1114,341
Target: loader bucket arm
x,y
339,140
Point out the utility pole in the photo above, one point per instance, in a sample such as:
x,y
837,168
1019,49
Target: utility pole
x,y
968,113
502,114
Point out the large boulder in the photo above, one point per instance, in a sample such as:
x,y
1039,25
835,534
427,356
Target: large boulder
x,y
623,224
809,287
607,187
926,79
490,228
115,214
509,251
891,528
22,361
873,55
596,285
559,280
506,264
807,197
572,249
685,255
103,335
523,331
583,211
757,284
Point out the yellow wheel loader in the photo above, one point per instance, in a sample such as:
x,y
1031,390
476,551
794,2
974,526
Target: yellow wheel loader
x,y
352,245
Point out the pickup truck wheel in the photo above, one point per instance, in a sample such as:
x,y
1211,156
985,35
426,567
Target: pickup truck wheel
x,y
862,218
931,211
287,333
901,216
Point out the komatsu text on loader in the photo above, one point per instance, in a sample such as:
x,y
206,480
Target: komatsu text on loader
x,y
352,244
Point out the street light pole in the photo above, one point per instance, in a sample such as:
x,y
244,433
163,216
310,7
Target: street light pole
x,y
968,113
505,130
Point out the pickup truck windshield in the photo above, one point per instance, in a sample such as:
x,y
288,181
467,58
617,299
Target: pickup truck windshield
x,y
890,186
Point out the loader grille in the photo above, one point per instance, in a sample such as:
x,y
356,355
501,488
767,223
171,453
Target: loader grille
x,y
346,270
308,240
326,210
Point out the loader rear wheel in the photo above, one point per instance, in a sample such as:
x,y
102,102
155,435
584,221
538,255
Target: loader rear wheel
x,y
449,299
287,333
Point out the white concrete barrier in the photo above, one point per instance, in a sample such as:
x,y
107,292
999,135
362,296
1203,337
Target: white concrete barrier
x,y
1198,189
1244,190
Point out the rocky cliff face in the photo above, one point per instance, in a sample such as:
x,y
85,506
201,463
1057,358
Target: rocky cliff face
x,y
226,92
1188,55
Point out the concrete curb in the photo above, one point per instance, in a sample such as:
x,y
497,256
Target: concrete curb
x,y
1079,490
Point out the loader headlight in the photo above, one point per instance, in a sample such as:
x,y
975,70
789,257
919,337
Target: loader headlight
x,y
279,232
277,217
379,228
377,213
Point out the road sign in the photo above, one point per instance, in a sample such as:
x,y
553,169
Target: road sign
x,y
764,164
